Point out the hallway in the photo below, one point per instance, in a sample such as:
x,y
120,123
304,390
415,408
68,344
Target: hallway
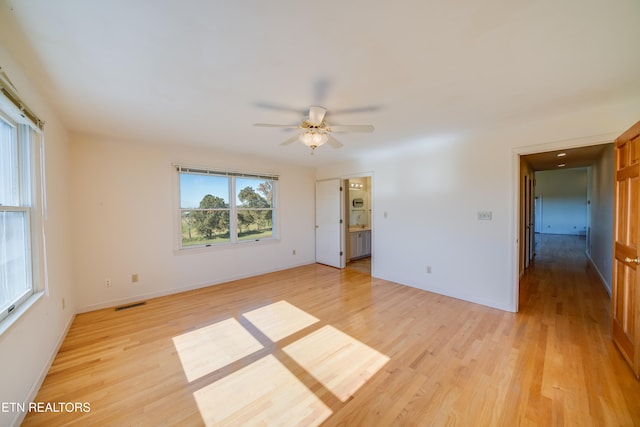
x,y
576,360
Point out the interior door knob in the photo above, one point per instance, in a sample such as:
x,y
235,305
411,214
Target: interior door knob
x,y
636,260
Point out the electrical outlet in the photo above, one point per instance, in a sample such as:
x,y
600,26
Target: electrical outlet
x,y
107,282
134,278
63,304
428,269
294,251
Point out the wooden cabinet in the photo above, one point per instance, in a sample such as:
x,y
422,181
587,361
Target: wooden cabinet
x,y
359,244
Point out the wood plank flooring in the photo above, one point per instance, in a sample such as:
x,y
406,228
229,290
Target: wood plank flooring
x,y
315,345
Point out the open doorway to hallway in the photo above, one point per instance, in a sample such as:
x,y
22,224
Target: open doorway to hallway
x,y
567,192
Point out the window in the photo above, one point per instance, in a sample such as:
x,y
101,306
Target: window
x,y
224,207
18,215
22,257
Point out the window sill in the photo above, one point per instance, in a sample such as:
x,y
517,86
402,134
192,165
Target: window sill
x,y
225,246
11,319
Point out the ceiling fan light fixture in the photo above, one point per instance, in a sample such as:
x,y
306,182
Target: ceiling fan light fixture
x,y
313,139
314,131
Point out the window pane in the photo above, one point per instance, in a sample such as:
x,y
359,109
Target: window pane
x,y
15,276
205,227
255,224
203,191
8,166
210,214
254,193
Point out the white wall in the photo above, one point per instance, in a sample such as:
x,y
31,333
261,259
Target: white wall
x,y
601,186
427,193
562,195
124,221
425,201
27,348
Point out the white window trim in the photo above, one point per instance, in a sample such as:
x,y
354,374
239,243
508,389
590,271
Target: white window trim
x,y
178,168
10,113
14,316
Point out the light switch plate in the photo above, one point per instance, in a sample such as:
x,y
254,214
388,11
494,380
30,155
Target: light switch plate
x,y
485,215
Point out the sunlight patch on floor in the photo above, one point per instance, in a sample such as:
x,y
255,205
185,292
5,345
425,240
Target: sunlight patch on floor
x,y
213,347
341,363
263,393
279,320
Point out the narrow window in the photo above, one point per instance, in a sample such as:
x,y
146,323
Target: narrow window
x,y
16,211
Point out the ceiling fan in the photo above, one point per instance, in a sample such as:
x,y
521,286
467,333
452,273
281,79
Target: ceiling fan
x,y
315,131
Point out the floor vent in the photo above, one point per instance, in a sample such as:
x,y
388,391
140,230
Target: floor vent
x,y
135,304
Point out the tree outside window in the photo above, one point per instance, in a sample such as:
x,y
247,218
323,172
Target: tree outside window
x,y
255,220
210,217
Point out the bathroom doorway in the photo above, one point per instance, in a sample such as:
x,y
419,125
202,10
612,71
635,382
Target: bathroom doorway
x,y
358,223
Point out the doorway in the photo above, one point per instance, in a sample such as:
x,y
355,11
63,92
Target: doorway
x,y
358,223
592,154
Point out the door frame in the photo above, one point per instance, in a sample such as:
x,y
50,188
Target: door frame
x,y
527,218
517,194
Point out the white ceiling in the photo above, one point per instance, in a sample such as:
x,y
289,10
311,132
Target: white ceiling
x,y
201,72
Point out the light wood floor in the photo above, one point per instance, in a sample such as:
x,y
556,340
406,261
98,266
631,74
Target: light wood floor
x,y
362,265
316,345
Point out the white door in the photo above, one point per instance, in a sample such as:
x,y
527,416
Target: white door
x,y
329,223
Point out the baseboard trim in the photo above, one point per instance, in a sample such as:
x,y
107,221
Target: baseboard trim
x,y
603,281
176,290
33,392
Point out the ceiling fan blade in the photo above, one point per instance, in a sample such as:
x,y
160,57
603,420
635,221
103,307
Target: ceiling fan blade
x,y
352,128
285,108
316,115
333,142
290,140
269,125
363,109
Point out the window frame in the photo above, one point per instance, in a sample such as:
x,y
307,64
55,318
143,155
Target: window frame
x,y
29,175
232,208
